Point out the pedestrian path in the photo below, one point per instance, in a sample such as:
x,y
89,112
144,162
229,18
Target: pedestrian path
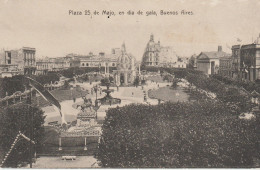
x,y
57,162
127,95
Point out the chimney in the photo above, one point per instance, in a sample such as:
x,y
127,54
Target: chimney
x,y
219,48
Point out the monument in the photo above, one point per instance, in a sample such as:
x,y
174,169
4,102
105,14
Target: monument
x,y
126,68
85,126
108,99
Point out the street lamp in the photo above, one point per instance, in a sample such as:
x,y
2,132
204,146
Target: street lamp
x,y
96,90
71,92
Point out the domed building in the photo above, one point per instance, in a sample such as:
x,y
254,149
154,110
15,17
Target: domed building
x,y
126,69
156,55
151,54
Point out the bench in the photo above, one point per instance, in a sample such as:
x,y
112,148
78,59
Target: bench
x,y
68,158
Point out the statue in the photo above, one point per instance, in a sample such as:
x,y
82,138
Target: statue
x,y
87,104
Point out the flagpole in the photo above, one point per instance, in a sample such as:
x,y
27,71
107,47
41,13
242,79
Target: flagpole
x,y
31,126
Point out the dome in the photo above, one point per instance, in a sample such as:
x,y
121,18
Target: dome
x,y
124,61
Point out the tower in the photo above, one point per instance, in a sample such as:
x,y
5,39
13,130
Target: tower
x,y
123,49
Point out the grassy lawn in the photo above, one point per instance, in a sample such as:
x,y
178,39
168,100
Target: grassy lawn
x,y
60,95
155,78
169,94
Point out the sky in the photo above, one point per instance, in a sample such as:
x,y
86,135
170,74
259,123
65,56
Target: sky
x,y
47,26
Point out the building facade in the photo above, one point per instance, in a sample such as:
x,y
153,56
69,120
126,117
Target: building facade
x,y
17,61
235,59
29,60
52,64
250,62
208,62
126,68
43,66
225,65
151,54
159,56
91,60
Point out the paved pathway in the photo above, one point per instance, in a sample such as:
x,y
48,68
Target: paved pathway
x,y
124,93
57,162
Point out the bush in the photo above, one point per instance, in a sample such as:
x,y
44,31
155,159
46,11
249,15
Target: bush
x,y
177,135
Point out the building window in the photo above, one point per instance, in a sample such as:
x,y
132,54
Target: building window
x,y
87,64
113,64
83,64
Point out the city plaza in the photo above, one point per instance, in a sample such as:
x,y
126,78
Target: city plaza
x,y
128,95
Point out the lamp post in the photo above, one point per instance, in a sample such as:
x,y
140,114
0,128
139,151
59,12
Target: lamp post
x,y
96,89
29,102
71,92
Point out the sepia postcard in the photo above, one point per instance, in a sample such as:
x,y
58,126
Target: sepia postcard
x,y
129,84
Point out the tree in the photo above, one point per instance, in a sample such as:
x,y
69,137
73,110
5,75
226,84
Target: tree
x,y
177,135
175,83
191,62
104,81
48,78
111,79
136,81
13,120
66,85
9,85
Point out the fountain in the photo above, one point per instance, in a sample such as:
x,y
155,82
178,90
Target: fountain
x,y
108,99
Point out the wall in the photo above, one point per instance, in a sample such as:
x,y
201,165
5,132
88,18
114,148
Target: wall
x,y
204,67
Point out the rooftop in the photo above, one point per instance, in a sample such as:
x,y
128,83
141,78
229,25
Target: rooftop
x,y
212,55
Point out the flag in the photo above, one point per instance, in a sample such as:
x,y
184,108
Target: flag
x,y
47,96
